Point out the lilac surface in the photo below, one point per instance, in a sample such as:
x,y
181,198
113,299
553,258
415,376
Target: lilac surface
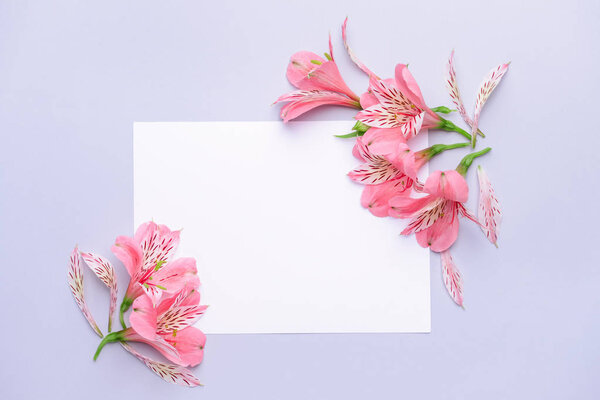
x,y
75,75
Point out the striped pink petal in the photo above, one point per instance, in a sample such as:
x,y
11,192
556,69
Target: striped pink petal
x,y
75,279
392,98
413,125
377,169
485,90
169,372
158,244
452,86
105,271
380,116
353,57
452,278
489,215
178,318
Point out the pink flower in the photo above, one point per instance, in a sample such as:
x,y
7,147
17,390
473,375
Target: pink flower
x,y
383,178
166,327
320,83
434,218
148,260
399,104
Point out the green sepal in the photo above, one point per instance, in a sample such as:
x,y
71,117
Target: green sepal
x,y
442,109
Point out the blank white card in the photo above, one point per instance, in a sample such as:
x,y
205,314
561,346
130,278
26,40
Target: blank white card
x,y
282,242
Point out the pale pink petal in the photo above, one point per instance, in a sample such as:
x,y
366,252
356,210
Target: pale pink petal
x,y
302,101
368,99
178,318
128,251
376,198
171,373
485,90
409,87
175,275
453,90
407,207
190,344
143,318
105,271
448,185
380,141
452,278
326,77
301,65
489,215
443,232
75,279
353,57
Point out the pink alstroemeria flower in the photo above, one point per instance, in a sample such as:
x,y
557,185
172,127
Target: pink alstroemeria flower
x,y
399,104
320,83
434,218
148,260
382,177
166,327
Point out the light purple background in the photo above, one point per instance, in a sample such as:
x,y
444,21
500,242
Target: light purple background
x,y
74,75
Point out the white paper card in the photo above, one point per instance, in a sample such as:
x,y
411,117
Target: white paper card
x,y
282,242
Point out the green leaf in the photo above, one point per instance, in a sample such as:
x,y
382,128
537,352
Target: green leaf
x,y
349,135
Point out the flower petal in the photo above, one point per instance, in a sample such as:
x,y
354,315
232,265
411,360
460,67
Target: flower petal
x,y
169,372
353,57
190,344
376,170
75,279
409,87
302,101
425,218
413,126
489,215
443,231
143,318
407,207
379,116
452,278
128,251
301,65
389,96
178,318
376,198
447,184
453,90
105,271
327,77
486,88
158,243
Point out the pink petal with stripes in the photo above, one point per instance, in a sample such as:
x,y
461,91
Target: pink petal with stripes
x,y
485,90
75,279
178,318
377,169
452,86
169,372
105,271
413,125
489,214
302,101
452,278
353,57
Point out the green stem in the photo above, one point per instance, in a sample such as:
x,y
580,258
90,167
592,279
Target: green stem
x,y
125,304
466,162
111,337
449,126
438,148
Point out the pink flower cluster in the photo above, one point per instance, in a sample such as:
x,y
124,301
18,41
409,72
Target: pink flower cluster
x,y
164,297
391,113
